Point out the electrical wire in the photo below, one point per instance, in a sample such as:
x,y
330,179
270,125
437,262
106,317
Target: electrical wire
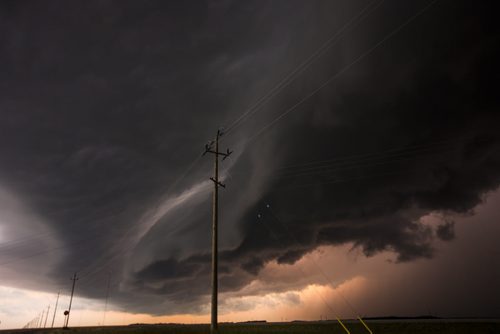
x,y
377,154
357,314
271,232
365,12
339,73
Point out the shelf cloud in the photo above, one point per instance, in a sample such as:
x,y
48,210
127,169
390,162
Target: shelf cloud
x,y
105,108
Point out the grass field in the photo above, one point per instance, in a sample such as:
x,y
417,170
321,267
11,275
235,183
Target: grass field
x,y
378,327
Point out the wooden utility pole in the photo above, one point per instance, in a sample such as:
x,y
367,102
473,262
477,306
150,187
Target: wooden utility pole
x,y
46,317
107,295
41,319
215,209
74,279
55,309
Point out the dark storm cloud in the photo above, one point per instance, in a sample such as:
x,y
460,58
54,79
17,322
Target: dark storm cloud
x,y
430,116
446,231
103,105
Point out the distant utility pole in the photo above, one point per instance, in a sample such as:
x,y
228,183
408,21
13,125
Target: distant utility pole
x,y
41,319
74,279
55,309
107,295
215,208
46,316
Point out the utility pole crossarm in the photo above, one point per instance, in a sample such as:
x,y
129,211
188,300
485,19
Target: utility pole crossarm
x,y
218,182
208,149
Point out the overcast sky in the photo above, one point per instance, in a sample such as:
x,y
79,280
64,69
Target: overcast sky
x,y
365,129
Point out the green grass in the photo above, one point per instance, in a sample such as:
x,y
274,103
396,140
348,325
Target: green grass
x,y
444,327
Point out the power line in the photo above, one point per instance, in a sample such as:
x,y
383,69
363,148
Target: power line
x,y
319,269
126,235
337,164
271,232
340,180
377,154
85,240
328,165
355,165
22,246
325,168
304,65
80,242
339,73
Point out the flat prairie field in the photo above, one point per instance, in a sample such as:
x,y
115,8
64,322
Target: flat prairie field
x,y
377,327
